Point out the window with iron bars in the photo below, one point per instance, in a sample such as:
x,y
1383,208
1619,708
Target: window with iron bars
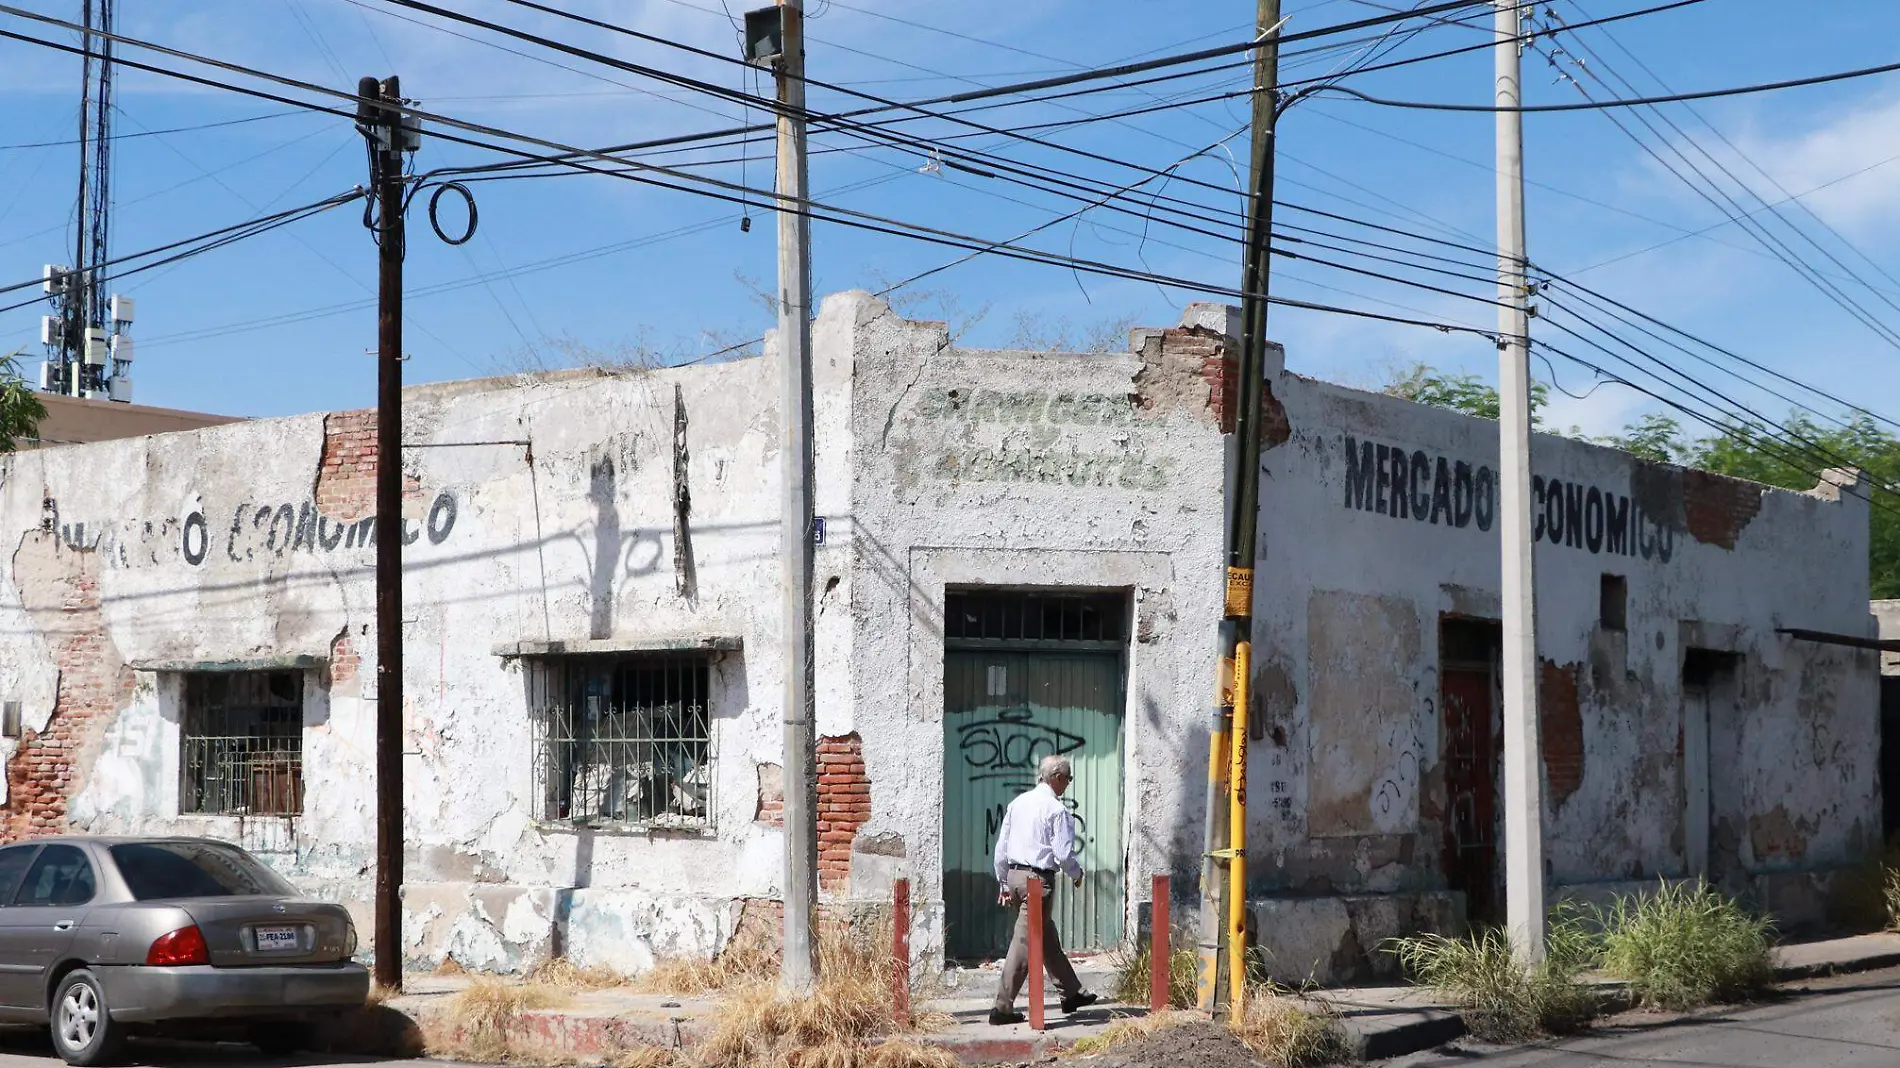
x,y
622,739
242,735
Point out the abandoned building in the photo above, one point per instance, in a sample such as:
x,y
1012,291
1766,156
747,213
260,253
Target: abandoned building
x,y
1020,554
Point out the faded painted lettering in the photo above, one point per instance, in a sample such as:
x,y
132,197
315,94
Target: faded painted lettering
x,y
1390,480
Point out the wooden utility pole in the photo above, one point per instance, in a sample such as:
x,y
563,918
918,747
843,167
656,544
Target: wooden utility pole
x,y
1523,772
799,967
1224,908
384,126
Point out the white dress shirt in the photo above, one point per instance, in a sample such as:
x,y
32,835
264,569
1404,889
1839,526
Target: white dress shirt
x,y
1039,831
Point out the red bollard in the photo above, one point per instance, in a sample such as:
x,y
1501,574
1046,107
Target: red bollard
x,y
1034,906
1160,964
900,952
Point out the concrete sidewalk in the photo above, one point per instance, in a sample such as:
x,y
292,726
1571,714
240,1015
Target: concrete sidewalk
x,y
1379,1021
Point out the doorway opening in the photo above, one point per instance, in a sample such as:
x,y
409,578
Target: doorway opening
x,y
1030,674
1470,698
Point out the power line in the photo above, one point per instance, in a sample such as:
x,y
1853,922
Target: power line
x,y
204,242
155,133
1737,214
1789,197
1736,430
1707,94
1593,295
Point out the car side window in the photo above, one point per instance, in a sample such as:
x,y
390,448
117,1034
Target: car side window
x,y
13,862
60,875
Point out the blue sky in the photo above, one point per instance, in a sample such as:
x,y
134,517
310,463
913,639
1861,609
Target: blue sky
x,y
280,323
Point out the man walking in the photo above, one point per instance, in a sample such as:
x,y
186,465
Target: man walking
x,y
1037,838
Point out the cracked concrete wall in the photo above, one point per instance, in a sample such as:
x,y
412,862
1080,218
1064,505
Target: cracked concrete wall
x,y
242,544
937,467
1031,469
1379,518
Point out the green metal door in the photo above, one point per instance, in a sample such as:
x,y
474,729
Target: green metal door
x,y
1005,709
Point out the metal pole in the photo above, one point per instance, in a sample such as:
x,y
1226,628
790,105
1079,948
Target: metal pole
x,y
1523,782
799,967
900,952
389,697
1228,741
1160,954
1034,905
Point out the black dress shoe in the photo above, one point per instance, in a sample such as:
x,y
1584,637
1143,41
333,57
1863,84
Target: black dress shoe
x,y
1078,1001
1004,1019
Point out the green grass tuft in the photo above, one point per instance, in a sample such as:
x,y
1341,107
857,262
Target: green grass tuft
x,y
1686,946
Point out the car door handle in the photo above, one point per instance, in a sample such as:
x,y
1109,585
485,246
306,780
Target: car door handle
x,y
63,925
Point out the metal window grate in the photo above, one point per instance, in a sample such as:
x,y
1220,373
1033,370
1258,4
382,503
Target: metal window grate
x,y
622,739
243,743
1013,615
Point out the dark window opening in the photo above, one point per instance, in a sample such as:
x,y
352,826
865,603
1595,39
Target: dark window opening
x,y
1615,603
622,739
10,720
1706,668
243,743
1007,615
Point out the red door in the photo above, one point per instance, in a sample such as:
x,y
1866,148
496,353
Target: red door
x,y
1470,847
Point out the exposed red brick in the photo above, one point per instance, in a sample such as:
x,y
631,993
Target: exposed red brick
x,y
1219,373
771,807
844,805
1717,508
345,661
59,587
1561,723
346,472
1274,427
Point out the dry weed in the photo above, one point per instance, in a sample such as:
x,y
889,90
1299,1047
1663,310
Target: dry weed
x,y
1131,1028
648,1057
1280,1031
559,973
475,1026
845,1022
736,966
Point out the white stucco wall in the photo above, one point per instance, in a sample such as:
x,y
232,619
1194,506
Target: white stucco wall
x,y
1352,588
938,467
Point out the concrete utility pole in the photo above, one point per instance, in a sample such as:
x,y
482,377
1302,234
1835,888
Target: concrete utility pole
x,y
384,126
799,967
1523,771
1226,818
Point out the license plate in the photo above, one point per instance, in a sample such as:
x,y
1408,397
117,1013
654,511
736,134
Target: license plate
x,y
278,939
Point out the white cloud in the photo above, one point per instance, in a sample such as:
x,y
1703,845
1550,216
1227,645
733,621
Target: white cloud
x,y
1836,154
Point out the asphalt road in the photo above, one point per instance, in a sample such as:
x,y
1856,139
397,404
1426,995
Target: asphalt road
x,y
1844,1022
24,1048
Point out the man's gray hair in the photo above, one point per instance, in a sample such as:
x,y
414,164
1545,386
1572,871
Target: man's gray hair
x,y
1052,766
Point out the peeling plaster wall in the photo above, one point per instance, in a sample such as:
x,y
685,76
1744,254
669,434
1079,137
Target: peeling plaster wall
x,y
937,467
249,542
240,543
1363,549
1041,470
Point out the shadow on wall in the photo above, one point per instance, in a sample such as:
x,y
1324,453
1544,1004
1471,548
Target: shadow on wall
x,y
601,486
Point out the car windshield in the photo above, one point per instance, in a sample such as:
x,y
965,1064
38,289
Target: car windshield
x,y
154,870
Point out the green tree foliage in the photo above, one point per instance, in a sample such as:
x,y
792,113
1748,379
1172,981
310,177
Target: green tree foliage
x,y
1791,460
1461,393
20,408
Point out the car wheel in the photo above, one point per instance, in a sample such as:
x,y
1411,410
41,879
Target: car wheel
x,y
83,1031
281,1039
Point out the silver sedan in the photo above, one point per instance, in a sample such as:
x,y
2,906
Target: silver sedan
x,y
101,937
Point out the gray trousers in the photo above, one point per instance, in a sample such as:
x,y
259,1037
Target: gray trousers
x,y
1016,964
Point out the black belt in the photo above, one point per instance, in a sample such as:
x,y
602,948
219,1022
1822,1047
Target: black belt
x,y
1046,872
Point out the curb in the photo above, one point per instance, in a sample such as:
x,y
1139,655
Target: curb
x,y
1872,962
1437,1027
